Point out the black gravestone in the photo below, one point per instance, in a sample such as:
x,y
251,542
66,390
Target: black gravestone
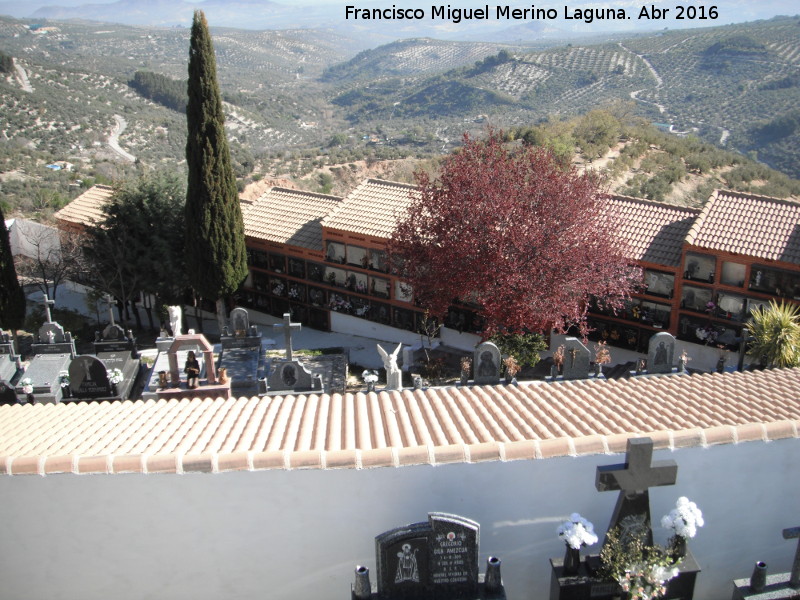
x,y
631,515
632,479
437,559
88,378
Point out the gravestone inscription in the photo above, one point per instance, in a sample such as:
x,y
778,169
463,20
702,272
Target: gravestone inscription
x,y
435,559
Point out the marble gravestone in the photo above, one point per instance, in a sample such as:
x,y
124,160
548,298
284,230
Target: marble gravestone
x,y
576,359
289,375
660,353
10,370
486,362
433,559
53,351
117,349
242,354
631,516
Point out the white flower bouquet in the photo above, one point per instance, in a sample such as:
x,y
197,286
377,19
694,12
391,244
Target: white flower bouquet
x,y
577,532
27,385
684,519
646,581
115,376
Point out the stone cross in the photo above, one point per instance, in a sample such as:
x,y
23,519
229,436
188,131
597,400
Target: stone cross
x,y
287,327
632,479
47,304
788,534
109,300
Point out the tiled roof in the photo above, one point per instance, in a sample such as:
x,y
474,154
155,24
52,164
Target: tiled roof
x,y
289,217
372,208
432,426
757,226
654,231
88,207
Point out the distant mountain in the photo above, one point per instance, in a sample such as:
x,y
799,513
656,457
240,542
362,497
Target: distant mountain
x,y
455,24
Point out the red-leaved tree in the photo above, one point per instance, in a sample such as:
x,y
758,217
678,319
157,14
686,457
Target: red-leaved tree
x,y
509,230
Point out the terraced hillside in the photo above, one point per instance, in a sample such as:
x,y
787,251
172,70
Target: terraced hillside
x,y
725,84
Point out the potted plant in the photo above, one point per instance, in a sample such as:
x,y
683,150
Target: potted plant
x,y
576,532
466,369
641,571
512,368
63,380
602,356
683,520
370,378
558,361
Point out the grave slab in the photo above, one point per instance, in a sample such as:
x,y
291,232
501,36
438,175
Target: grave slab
x,y
44,372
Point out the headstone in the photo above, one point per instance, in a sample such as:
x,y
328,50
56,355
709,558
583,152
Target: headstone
x,y
660,353
10,365
632,479
242,354
240,321
88,378
434,559
287,327
291,376
631,515
53,340
576,359
110,301
394,376
487,363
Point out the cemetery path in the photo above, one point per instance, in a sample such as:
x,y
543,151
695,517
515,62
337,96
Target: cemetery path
x,y
113,139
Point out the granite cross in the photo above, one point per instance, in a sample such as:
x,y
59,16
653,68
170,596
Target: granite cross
x,y
109,300
47,304
788,534
632,479
287,327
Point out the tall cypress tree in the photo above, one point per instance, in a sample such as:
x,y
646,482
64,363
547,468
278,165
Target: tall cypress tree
x,y
216,260
12,298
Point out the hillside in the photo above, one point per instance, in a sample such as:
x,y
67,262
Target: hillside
x,y
303,101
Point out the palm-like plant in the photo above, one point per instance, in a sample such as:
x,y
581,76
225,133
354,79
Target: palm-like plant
x,y
775,332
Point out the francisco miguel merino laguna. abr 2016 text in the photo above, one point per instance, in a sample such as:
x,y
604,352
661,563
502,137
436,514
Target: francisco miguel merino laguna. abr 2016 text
x,y
587,15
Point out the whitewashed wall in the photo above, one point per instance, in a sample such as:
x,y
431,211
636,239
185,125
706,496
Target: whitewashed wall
x,y
299,534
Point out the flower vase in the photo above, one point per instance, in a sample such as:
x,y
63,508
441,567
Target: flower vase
x,y
758,580
572,560
370,386
114,388
678,547
464,378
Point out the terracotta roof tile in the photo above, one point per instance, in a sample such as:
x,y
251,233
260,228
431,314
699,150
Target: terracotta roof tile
x,y
758,226
288,217
655,231
433,426
372,208
88,207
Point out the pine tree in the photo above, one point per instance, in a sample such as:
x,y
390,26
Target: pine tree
x,y
216,261
12,298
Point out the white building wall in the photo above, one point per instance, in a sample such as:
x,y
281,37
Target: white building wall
x,y
299,534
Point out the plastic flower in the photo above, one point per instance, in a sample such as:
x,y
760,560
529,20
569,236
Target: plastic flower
x,y
27,385
684,519
577,532
115,376
369,376
64,378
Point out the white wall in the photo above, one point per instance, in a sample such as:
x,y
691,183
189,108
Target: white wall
x,y
299,534
342,323
32,239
